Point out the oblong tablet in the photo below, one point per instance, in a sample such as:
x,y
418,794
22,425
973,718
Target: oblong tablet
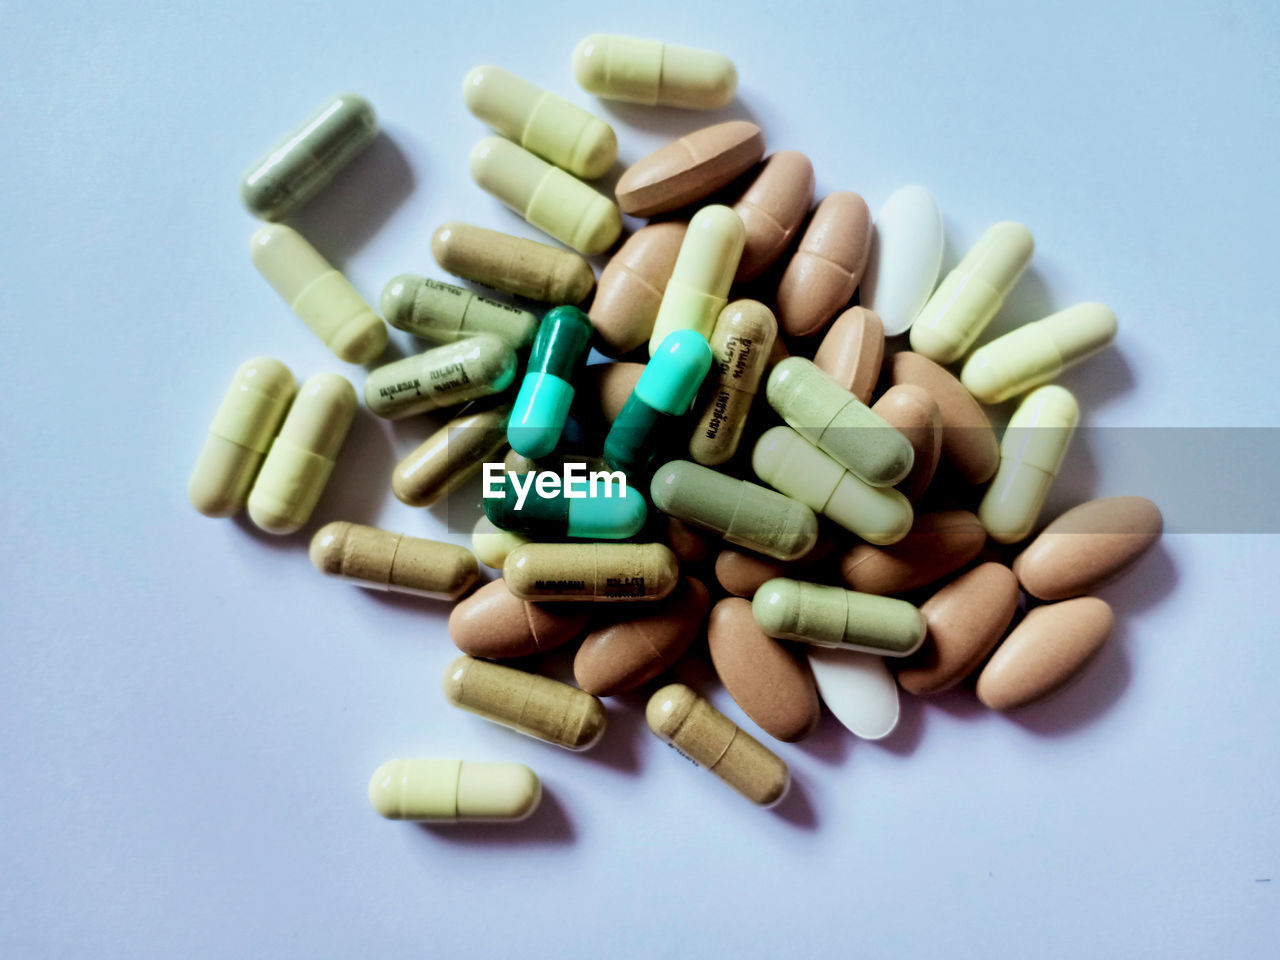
x,y
517,265
383,560
968,441
451,456
914,413
858,689
826,268
690,168
905,257
690,544
772,209
938,544
852,351
593,572
833,617
653,73
495,624
604,391
632,284
453,791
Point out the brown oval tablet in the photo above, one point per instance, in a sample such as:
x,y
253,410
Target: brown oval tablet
x,y
603,389
741,573
827,266
688,543
631,287
621,656
690,168
1088,545
1045,652
771,684
852,351
514,264
913,412
938,544
967,438
772,209
494,624
966,619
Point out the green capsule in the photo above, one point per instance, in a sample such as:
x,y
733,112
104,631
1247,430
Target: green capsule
x,y
833,617
441,377
542,405
442,313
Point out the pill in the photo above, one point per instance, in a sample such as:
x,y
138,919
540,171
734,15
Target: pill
x,y
453,791
604,390
664,392
540,121
1088,545
938,544
517,265
838,423
832,617
300,165
621,656
740,343
688,543
1048,649
1036,353
632,284
495,624
392,561
772,208
239,437
743,513
535,706
301,457
1031,453
321,296
614,511
968,441
858,689
826,267
699,286
971,294
591,571
542,405
442,313
789,463
491,545
914,413
852,351
771,684
451,456
965,619
548,198
690,168
741,573
905,257
443,376
653,73
702,734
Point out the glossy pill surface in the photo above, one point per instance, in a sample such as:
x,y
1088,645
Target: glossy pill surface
x,y
495,624
450,457
618,516
491,545
742,574
858,689
914,413
442,312
517,265
690,168
832,617
542,405
632,284
453,791
443,376
740,343
653,73
591,571
699,286
852,351
772,209
968,441
827,266
393,561
905,257
938,544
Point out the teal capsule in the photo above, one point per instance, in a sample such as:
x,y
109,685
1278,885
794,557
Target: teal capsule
x,y
542,405
608,510
665,390
442,313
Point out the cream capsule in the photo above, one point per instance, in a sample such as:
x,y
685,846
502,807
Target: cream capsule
x,y
689,169
905,257
699,286
517,265
702,734
914,413
631,287
491,545
443,313
240,435
321,296
1031,453
851,352
832,617
827,266
972,294
548,198
443,376
453,791
540,121
967,438
527,703
653,73
1037,352
301,457
772,209
938,544
451,456
858,689
495,624
740,343
384,560
591,571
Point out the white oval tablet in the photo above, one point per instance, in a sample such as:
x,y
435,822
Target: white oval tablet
x,y
859,689
906,254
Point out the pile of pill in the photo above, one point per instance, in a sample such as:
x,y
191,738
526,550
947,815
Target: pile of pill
x,y
854,530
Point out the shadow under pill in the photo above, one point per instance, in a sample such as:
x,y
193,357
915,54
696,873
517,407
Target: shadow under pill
x,y
288,541
906,735
361,477
1141,587
619,747
548,824
1090,695
829,741
795,807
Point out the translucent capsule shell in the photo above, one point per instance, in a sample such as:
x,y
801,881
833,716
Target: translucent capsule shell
x,y
699,286
656,74
443,376
383,560
517,265
741,342
453,791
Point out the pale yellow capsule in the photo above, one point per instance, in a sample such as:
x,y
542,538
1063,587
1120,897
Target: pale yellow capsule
x,y
491,545
653,73
383,560
699,286
451,791
741,342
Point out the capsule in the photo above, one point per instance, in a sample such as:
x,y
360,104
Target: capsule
x,y
599,516
542,405
702,734
517,265
972,294
699,286
450,457
443,313
772,209
547,197
491,545
690,168
740,343
826,267
905,257
495,624
632,284
443,376
239,437
664,391
301,164
653,73
535,706
591,571
302,455
743,513
1031,453
321,296
1036,353
392,561
851,352
542,122
832,617
453,791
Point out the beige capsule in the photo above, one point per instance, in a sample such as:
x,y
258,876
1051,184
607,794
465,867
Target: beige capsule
x,y
514,264
913,412
852,351
495,624
591,571
741,342
393,561
631,287
968,441
450,457
688,169
826,268
938,544
772,209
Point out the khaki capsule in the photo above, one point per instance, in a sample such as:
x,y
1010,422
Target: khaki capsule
x,y
653,73
535,706
591,571
450,457
240,435
301,457
832,617
826,268
772,209
689,169
443,313
938,544
968,441
741,342
444,376
453,791
699,286
517,265
491,545
392,561
852,351
914,413
632,284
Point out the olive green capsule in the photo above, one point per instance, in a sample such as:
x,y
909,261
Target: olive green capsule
x,y
441,377
834,617
442,313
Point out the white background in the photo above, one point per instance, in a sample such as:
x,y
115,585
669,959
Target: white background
x,y
190,713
